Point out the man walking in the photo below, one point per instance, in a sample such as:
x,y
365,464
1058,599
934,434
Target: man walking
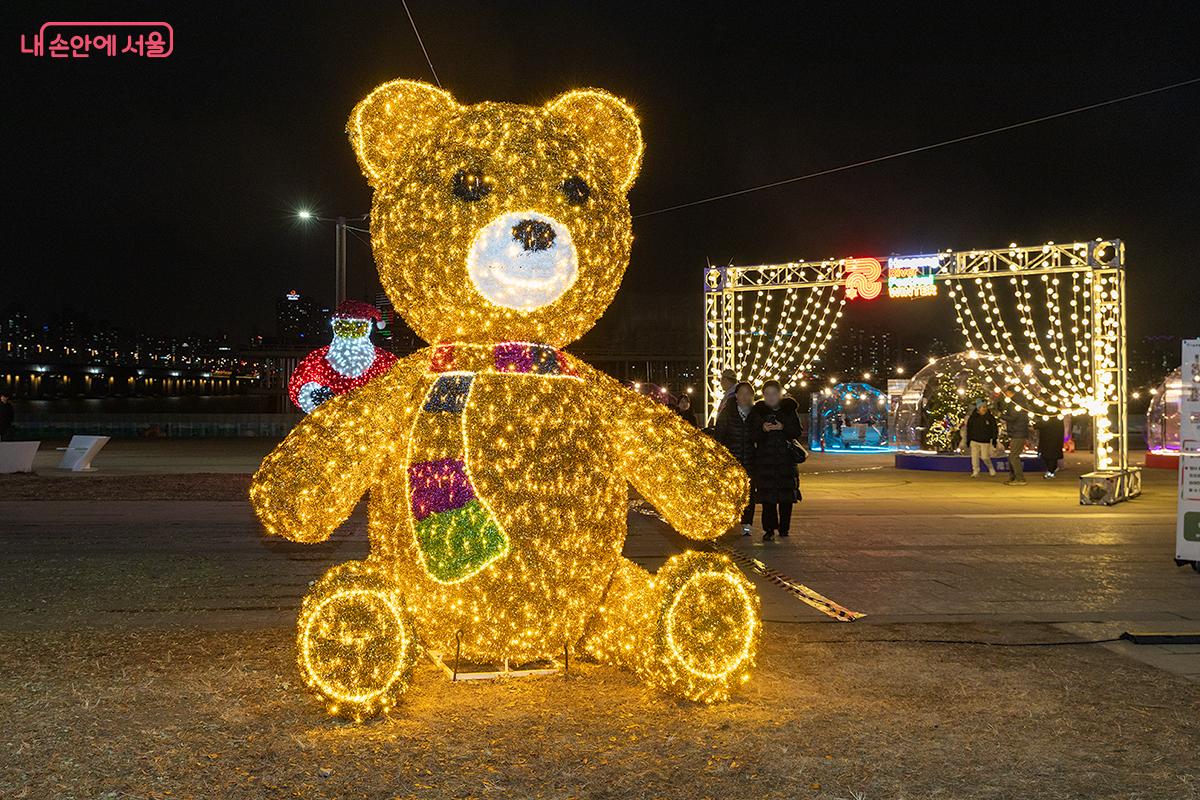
x,y
1016,420
981,437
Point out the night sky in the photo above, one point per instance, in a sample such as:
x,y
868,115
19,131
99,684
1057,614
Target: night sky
x,y
161,194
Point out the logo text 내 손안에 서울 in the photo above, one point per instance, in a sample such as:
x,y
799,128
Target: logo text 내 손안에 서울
x,y
100,39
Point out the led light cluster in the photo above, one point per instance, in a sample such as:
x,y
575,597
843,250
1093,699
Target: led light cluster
x,y
1071,330
439,253
691,628
498,465
348,362
1048,380
789,342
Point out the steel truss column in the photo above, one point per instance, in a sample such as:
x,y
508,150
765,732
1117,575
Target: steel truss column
x,y
719,336
1112,479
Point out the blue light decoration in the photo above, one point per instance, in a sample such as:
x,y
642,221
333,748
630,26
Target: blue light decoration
x,y
912,276
849,417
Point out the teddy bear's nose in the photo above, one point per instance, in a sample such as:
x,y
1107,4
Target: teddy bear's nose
x,y
533,234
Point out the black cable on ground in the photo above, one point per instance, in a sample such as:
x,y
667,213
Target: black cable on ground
x,y
945,641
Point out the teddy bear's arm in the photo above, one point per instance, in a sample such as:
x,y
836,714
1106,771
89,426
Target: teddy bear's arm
x,y
691,479
310,483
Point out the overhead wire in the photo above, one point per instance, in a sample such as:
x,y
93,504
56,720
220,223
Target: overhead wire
x,y
421,42
913,150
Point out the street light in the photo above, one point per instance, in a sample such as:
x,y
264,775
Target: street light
x,y
339,253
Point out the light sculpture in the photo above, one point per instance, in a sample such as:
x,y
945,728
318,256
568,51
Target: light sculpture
x,y
769,341
346,363
1062,352
498,464
1070,357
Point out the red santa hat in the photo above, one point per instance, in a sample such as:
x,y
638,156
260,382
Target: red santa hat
x,y
356,309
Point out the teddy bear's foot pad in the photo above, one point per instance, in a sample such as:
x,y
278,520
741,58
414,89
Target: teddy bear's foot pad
x,y
708,627
356,641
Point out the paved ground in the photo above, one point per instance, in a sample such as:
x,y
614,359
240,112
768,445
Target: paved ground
x,y
144,652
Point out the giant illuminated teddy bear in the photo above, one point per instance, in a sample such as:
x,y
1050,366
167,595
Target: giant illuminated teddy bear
x,y
498,464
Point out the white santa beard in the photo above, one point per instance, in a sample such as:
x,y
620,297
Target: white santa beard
x,y
351,356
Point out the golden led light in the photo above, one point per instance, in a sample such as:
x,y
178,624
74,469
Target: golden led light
x,y
498,465
1072,359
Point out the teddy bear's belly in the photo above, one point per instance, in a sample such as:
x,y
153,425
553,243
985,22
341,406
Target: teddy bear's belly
x,y
513,520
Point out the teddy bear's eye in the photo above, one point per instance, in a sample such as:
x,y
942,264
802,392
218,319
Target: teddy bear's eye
x,y
576,190
470,185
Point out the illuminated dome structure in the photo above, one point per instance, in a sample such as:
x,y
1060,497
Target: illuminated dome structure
x,y
849,416
1162,420
937,400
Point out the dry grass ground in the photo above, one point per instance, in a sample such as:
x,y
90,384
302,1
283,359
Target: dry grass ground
x,y
114,691
156,714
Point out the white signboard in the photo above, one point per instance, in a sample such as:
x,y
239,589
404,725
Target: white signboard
x,y
17,456
1187,529
80,452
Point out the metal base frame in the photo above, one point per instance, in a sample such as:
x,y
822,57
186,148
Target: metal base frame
x,y
502,670
1109,487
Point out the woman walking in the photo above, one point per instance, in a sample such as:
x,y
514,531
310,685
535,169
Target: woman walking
x,y
1050,444
774,423
733,431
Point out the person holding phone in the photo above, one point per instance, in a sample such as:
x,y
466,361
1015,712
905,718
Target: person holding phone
x,y
774,424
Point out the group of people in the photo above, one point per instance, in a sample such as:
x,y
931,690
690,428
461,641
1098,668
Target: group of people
x,y
764,437
983,434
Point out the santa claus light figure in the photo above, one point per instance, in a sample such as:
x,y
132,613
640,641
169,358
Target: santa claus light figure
x,y
349,361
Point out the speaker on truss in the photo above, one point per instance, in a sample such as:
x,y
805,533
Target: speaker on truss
x,y
1106,253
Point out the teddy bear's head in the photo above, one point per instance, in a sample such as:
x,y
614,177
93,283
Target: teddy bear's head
x,y
498,222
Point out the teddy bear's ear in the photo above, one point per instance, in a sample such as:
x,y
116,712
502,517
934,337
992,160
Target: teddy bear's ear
x,y
609,125
388,117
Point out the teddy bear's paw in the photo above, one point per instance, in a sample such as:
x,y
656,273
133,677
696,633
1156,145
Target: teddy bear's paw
x,y
708,627
356,645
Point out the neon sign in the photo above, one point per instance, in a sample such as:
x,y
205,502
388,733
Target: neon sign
x,y
912,276
863,278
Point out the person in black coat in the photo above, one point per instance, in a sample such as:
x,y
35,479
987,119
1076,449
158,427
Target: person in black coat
x,y
683,407
733,431
1050,444
773,424
7,414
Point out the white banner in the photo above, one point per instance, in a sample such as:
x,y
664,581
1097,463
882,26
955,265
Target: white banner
x,y
1187,530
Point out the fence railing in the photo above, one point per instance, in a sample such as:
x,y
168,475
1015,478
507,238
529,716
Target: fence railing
x,y
181,426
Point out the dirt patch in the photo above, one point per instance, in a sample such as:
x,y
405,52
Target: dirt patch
x,y
203,714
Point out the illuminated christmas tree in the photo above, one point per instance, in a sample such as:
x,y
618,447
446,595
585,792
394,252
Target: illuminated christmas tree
x,y
954,397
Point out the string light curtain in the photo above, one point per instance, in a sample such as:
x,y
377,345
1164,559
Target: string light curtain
x,y
1053,325
777,331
